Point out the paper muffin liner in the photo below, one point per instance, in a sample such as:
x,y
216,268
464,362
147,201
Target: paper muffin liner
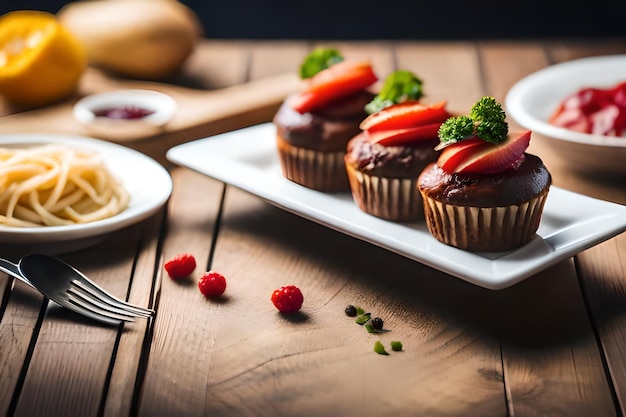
x,y
322,171
395,199
484,229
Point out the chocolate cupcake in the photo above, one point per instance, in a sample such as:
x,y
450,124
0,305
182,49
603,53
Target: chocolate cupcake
x,y
484,196
383,179
314,126
311,145
397,143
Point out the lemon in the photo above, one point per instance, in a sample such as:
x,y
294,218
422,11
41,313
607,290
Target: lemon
x,y
40,61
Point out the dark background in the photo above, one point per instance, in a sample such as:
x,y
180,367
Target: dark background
x,y
403,19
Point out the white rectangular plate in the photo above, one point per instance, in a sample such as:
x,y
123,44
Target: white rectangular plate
x,y
247,159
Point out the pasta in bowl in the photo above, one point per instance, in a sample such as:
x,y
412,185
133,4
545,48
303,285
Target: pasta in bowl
x,y
113,187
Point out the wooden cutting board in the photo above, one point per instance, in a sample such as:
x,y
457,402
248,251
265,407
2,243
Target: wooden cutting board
x,y
200,112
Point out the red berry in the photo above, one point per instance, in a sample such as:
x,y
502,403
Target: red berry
x,y
212,284
288,299
180,266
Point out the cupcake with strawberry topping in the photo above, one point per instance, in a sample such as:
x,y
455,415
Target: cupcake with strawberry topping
x,y
397,142
314,126
484,193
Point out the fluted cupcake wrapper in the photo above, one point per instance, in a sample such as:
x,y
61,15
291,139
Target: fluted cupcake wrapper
x,y
483,229
395,199
322,171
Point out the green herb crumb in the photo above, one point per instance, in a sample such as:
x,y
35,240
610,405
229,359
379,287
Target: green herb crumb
x,y
379,348
363,318
396,346
372,329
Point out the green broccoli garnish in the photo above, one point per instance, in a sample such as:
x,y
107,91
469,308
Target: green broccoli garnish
x,y
399,86
486,120
490,120
318,60
456,129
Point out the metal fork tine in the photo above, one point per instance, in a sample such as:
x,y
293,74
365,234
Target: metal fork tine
x,y
95,313
87,303
77,290
97,292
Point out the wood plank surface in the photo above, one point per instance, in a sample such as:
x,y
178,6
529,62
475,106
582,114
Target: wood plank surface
x,y
550,345
601,269
321,362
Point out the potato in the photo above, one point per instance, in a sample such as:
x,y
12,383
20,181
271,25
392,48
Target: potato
x,y
144,39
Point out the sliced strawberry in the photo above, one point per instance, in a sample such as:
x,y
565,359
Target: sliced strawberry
x,y
336,81
619,94
571,118
608,121
452,155
556,114
490,159
403,115
404,137
593,110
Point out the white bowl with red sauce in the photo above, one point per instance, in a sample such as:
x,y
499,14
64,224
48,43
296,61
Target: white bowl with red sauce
x,y
124,115
533,100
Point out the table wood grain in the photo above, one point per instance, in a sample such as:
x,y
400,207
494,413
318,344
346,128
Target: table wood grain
x,y
552,345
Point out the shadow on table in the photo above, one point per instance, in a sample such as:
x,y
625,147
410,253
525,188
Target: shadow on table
x,y
544,311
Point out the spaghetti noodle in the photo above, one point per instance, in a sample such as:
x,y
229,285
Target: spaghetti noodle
x,y
55,185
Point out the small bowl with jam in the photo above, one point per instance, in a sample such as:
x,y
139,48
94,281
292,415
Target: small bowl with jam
x,y
578,110
124,115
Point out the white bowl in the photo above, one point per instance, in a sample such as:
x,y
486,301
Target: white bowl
x,y
162,106
532,100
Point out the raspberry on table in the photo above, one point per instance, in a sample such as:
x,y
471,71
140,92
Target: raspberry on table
x,y
288,299
212,284
180,266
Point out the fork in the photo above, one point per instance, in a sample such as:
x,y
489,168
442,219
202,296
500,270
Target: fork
x,y
68,287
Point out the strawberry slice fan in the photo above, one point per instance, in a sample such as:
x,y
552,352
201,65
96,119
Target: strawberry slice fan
x,y
594,111
336,81
405,123
477,156
406,115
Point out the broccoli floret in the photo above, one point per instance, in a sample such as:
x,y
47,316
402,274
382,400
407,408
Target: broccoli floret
x,y
456,129
486,121
399,86
489,119
318,60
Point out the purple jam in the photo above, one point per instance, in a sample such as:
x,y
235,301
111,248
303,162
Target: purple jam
x,y
126,112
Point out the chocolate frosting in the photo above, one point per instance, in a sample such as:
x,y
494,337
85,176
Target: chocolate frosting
x,y
390,161
328,130
493,190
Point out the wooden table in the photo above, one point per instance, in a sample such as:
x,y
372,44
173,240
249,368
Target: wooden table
x,y
552,345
